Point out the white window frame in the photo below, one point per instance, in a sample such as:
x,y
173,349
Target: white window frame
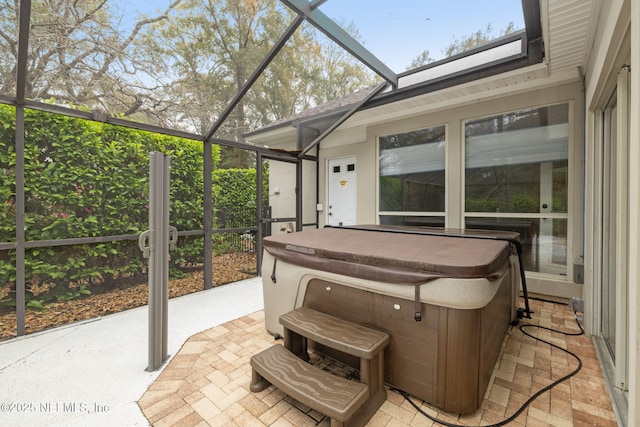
x,y
568,216
561,286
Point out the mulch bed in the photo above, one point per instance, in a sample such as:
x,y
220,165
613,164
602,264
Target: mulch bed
x,y
227,268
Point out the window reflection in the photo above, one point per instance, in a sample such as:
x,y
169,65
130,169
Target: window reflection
x,y
516,165
544,253
412,171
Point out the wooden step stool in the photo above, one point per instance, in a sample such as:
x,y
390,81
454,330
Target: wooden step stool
x,y
346,402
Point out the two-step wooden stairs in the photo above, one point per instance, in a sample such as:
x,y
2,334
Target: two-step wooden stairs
x,y
346,402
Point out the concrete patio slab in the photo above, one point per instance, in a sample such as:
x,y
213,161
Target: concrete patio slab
x,y
93,372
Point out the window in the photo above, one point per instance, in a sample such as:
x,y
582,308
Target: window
x,y
516,178
412,177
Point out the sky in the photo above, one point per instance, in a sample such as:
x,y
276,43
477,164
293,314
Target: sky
x,y
397,31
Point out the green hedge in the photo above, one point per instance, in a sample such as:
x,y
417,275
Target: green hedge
x,y
85,179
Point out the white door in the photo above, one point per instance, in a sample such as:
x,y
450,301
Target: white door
x,y
341,206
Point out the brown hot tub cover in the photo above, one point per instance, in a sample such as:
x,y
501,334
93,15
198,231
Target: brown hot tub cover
x,y
387,255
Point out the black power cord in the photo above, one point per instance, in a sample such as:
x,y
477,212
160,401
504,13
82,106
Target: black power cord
x,y
532,398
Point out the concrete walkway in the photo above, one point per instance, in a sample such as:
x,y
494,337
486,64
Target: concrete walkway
x,y
93,372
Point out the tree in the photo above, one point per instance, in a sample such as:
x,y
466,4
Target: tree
x,y
212,46
339,73
423,59
309,71
78,54
179,67
476,39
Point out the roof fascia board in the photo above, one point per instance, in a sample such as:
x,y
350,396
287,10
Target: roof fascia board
x,y
451,80
519,35
305,122
332,30
265,151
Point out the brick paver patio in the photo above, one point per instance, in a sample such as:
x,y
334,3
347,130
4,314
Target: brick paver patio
x,y
207,383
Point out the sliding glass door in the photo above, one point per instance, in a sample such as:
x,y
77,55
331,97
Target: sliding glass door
x,y
614,228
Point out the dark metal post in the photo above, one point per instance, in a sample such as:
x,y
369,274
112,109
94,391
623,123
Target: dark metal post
x,y
20,223
259,222
21,85
208,214
299,195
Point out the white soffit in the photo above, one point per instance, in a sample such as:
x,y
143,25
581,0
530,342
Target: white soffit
x,y
571,29
494,86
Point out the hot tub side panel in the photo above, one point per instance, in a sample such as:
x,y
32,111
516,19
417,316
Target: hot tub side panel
x,y
446,359
459,360
471,341
496,321
280,287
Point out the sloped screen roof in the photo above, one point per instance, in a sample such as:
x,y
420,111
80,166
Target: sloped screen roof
x,y
180,65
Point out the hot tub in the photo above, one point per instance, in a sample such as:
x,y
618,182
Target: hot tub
x,y
446,301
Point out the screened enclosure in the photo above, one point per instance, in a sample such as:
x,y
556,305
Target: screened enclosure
x,y
88,89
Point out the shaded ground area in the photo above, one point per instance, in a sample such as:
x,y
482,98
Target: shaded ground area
x,y
227,268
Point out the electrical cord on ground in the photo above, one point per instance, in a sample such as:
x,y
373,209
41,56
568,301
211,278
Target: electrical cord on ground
x,y
532,398
548,300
